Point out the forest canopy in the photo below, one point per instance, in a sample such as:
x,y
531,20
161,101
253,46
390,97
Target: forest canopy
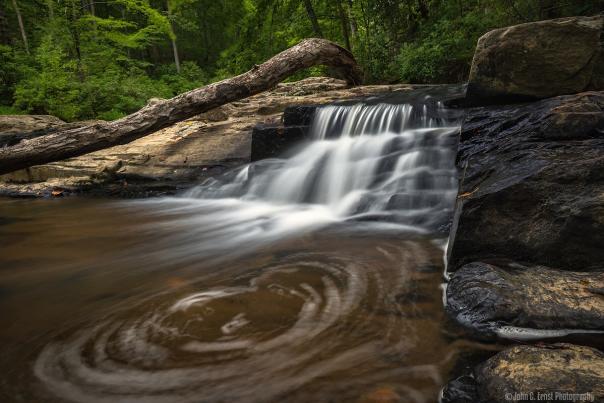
x,y
103,59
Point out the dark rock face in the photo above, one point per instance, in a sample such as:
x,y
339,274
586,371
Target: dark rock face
x,y
490,299
550,373
531,191
532,186
273,140
461,390
538,60
299,115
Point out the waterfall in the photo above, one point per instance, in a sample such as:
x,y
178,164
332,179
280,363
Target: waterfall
x,y
381,162
367,167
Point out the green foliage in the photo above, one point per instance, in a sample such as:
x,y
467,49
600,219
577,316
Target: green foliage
x,y
49,85
191,76
106,61
445,48
103,83
9,73
10,110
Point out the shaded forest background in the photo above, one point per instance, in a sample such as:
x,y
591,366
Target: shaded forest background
x,y
84,59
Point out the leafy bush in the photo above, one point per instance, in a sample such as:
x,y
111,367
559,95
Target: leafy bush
x,y
104,84
191,76
50,86
444,49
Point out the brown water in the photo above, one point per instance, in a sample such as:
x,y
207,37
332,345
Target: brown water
x,y
309,278
97,306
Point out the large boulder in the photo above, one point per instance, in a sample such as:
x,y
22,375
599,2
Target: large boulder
x,y
549,373
532,184
538,60
521,302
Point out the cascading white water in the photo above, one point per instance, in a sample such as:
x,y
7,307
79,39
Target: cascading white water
x,y
390,166
383,166
385,162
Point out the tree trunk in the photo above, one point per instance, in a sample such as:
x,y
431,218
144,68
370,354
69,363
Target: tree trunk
x,y
75,34
313,18
344,22
51,11
548,9
123,10
21,26
173,39
423,8
365,19
4,31
176,58
67,143
353,22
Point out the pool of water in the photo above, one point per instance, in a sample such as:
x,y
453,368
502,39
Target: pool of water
x,y
98,307
313,277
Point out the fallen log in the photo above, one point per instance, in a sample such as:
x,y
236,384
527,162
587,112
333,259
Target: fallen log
x,y
72,142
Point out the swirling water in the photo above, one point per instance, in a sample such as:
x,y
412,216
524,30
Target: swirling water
x,y
312,278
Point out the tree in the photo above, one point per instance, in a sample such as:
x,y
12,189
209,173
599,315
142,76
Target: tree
x,y
87,59
4,31
172,36
344,21
21,26
313,18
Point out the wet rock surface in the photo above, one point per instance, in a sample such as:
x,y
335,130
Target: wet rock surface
x,y
270,141
549,373
532,184
187,152
538,60
531,191
275,139
495,300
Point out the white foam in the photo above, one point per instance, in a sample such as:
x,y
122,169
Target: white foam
x,y
526,334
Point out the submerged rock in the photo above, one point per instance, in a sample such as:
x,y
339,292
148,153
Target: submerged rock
x,y
532,184
549,373
538,60
526,302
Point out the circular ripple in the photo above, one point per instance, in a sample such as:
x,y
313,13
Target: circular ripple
x,y
269,333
